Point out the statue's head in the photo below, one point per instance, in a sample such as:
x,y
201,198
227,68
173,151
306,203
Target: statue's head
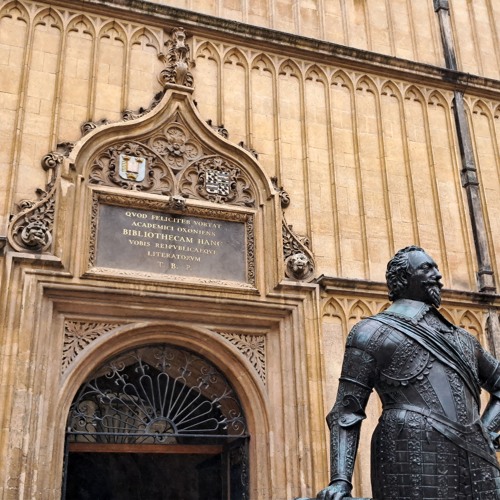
x,y
413,274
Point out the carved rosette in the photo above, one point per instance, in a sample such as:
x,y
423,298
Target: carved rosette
x,y
78,335
216,180
253,347
177,61
31,229
175,146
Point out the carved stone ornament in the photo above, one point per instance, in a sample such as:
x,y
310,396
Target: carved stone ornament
x,y
216,180
253,347
252,151
284,196
78,335
299,267
89,126
177,204
31,229
299,260
220,129
177,61
170,161
133,166
133,115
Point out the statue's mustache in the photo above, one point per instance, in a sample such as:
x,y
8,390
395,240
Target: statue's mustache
x,y
433,283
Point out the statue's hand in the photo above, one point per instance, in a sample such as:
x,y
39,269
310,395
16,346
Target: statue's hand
x,y
336,491
495,439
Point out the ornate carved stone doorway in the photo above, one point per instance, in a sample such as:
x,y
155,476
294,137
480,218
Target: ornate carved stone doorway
x,y
156,422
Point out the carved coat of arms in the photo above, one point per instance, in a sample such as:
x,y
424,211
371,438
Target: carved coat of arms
x,y
218,182
132,168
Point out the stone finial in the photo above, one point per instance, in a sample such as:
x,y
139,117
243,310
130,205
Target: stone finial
x,y
177,61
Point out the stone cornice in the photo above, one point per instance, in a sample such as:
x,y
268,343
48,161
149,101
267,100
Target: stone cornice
x,y
292,45
377,289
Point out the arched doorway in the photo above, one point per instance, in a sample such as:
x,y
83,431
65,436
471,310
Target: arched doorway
x,y
156,422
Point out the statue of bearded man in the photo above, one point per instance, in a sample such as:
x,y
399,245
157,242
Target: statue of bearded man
x,y
430,442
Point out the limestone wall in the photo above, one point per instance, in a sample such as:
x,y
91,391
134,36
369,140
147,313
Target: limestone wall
x,y
364,143
370,160
400,28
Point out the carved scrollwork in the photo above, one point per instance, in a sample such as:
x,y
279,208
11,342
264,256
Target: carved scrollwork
x,y
284,196
253,347
252,151
90,125
177,61
216,180
31,229
133,166
133,115
220,129
78,335
299,261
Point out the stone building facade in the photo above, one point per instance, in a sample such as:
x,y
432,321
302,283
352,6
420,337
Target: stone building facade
x,y
206,192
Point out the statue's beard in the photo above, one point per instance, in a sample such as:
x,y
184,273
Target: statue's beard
x,y
433,291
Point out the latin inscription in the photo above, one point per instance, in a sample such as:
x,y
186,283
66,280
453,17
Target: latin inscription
x,y
183,245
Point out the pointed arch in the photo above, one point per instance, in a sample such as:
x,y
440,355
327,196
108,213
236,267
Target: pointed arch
x,y
208,50
479,107
236,57
236,97
15,10
436,98
292,131
209,82
413,93
263,114
359,310
146,38
111,72
79,54
290,68
317,74
390,89
470,322
447,314
81,24
334,309
263,63
341,79
381,306
113,30
49,18
366,84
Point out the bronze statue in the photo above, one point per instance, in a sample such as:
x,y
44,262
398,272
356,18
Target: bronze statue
x,y
430,442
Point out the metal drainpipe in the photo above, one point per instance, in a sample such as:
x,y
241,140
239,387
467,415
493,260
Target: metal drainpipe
x,y
470,182
486,280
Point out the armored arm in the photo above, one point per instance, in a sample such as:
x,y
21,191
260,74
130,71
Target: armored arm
x,y
346,416
489,374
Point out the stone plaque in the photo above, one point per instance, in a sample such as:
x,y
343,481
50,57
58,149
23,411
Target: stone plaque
x,y
199,243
